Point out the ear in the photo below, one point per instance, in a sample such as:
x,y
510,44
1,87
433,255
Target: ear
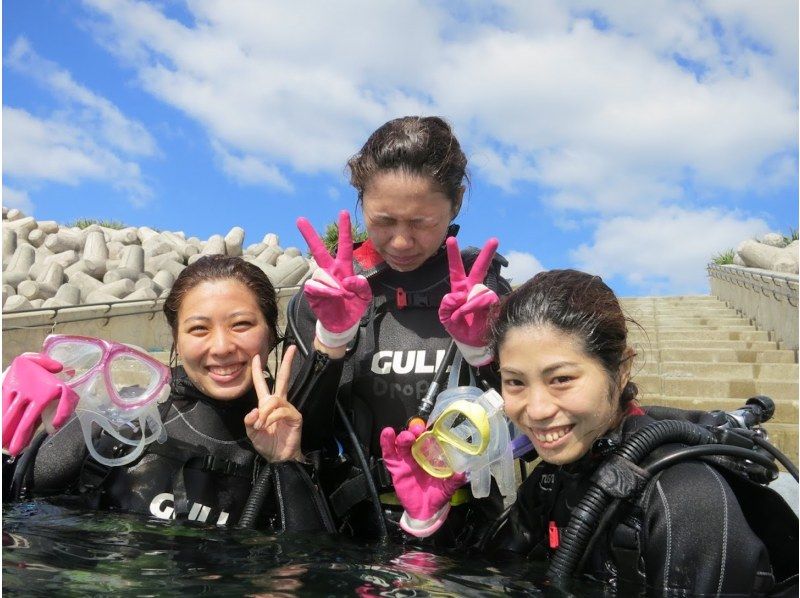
x,y
626,366
456,208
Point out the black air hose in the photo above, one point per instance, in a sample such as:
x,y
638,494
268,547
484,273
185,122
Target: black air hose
x,y
373,491
588,512
690,452
19,482
258,494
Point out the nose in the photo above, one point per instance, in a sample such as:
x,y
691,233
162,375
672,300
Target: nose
x,y
540,406
402,240
221,342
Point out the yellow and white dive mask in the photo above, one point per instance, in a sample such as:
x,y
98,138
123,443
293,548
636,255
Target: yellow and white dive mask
x,y
468,432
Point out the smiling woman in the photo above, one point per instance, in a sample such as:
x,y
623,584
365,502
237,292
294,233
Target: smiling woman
x,y
561,339
224,427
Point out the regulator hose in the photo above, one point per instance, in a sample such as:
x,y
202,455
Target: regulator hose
x,y
587,513
19,482
258,494
362,460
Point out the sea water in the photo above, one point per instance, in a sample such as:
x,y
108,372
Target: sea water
x,y
56,551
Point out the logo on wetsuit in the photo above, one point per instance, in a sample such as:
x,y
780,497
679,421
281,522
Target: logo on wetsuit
x,y
404,362
163,507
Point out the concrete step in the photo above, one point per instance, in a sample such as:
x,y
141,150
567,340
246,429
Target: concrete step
x,y
692,369
715,355
717,388
786,412
714,323
784,436
679,344
661,330
686,334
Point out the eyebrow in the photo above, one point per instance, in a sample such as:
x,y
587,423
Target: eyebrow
x,y
382,216
556,366
548,370
235,314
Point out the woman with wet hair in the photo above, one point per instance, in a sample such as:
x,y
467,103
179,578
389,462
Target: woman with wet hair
x,y
223,425
376,321
692,528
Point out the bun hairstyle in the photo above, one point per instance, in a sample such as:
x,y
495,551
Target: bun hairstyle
x,y
424,146
575,303
221,267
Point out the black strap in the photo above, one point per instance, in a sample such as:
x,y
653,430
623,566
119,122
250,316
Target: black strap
x,y
625,549
355,489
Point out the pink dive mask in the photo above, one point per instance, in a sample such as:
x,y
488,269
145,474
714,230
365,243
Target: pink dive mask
x,y
119,387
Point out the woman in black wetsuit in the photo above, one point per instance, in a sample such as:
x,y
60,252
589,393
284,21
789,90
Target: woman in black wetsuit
x,y
561,343
223,425
410,176
695,527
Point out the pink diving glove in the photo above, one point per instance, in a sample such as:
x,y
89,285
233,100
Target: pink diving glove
x,y
29,388
336,295
426,499
464,311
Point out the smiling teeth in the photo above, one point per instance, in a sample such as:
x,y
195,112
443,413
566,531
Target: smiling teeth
x,y
224,371
552,435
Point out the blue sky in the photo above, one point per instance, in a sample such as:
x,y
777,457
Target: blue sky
x,y
634,140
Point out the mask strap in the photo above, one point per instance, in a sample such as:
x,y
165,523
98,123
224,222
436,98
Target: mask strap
x,y
87,417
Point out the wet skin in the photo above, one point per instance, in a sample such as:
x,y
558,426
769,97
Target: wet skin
x,y
406,217
559,396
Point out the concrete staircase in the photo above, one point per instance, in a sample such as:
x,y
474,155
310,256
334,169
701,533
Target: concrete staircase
x,y
694,352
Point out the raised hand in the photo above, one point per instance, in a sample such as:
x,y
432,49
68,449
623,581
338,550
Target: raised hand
x,y
425,499
336,295
29,388
464,311
275,426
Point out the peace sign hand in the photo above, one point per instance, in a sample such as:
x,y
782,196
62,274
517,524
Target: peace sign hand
x,y
275,426
465,310
336,295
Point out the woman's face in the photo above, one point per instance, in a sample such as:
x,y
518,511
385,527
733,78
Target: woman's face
x,y
406,217
556,393
220,329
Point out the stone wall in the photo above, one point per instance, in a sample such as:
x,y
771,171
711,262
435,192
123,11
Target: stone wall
x,y
139,323
47,265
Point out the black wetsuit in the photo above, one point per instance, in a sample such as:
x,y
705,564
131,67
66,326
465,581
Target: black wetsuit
x,y
204,471
383,377
686,535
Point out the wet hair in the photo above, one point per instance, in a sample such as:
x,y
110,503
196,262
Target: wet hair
x,y
423,146
575,303
222,267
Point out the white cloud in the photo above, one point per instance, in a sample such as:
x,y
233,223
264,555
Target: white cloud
x,y
50,150
250,170
15,198
521,266
608,119
666,251
96,113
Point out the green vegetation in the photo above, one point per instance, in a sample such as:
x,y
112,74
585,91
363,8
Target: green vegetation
x,y
87,222
792,236
724,258
331,236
